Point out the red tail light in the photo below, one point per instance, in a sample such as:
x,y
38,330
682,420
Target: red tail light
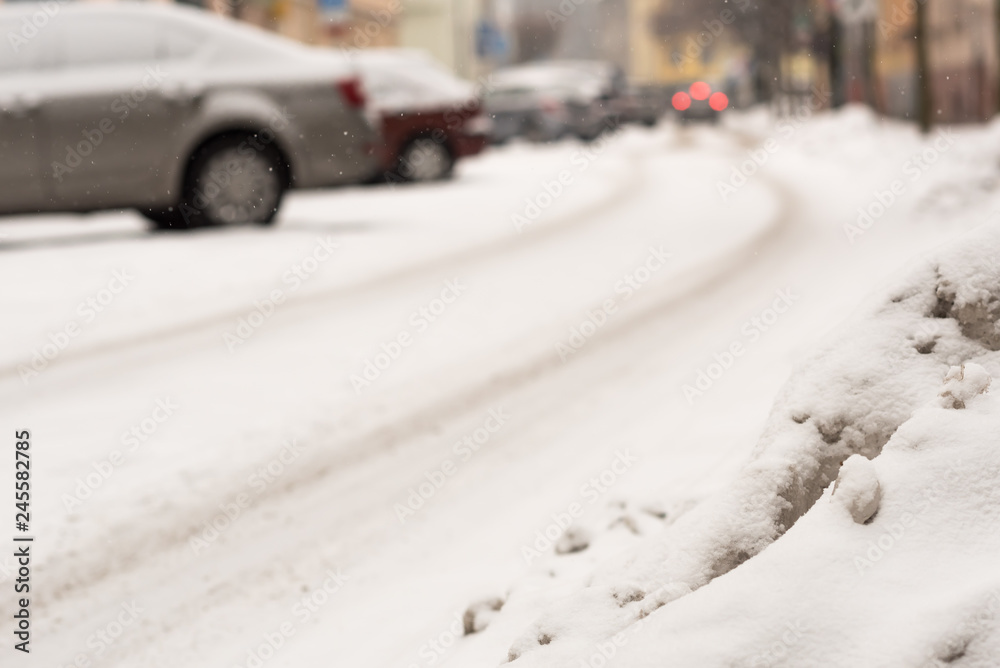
x,y
719,101
353,93
551,106
700,90
681,101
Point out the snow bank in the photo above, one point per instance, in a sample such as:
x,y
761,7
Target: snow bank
x,y
917,585
889,387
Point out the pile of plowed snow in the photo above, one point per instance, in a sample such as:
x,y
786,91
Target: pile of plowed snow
x,y
865,529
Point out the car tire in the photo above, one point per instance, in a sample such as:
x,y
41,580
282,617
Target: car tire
x,y
233,180
423,160
534,130
167,219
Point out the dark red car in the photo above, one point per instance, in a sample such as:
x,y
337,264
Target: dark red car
x,y
427,117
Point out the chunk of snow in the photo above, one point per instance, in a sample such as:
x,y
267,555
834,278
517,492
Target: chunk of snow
x,y
963,383
857,489
875,382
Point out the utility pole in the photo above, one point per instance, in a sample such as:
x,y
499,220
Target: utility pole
x,y
925,97
996,61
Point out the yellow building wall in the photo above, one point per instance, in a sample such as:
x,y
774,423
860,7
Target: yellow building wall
x,y
677,58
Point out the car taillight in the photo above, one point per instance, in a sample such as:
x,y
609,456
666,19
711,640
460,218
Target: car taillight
x,y
719,101
551,106
700,90
353,94
479,125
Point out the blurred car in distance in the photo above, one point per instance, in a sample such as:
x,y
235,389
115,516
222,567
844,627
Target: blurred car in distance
x,y
189,117
518,111
642,105
546,100
428,117
699,103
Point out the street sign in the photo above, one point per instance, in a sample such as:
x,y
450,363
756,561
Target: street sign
x,y
333,10
490,42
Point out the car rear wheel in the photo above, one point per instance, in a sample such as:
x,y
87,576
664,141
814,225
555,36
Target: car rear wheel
x,y
424,159
234,180
167,219
535,131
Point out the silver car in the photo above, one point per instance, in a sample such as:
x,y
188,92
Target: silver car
x,y
189,117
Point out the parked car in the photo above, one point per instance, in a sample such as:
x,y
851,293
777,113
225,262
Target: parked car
x,y
643,105
520,111
700,103
190,118
546,100
428,117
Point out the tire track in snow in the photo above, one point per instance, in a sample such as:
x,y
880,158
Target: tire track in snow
x,y
323,504
460,400
626,186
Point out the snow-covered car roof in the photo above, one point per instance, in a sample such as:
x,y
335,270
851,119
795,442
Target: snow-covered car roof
x,y
191,32
410,79
561,78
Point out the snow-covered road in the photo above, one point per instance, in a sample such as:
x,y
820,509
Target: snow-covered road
x,y
392,391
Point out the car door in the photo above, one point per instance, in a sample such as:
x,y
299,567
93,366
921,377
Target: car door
x,y
111,120
22,167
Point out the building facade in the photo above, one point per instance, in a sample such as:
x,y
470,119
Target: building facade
x,y
962,55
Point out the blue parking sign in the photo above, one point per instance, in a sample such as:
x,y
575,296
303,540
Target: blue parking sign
x,y
332,8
